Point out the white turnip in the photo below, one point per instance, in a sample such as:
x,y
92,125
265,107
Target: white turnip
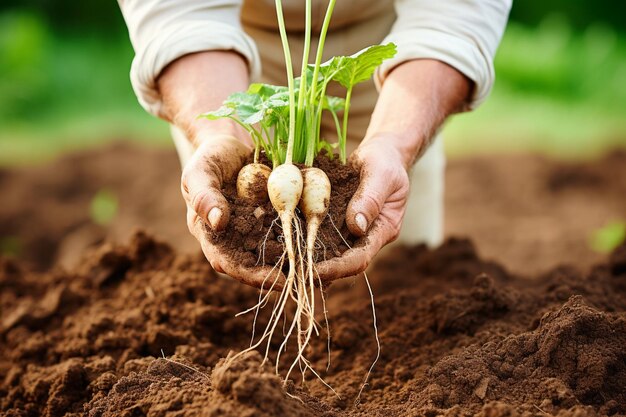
x,y
252,183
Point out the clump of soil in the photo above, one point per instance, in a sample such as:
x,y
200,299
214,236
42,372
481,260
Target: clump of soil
x,y
168,386
253,236
460,336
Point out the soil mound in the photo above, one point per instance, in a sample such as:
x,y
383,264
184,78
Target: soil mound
x,y
460,336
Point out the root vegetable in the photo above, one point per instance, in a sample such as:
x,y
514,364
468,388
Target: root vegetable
x,y
315,195
252,183
314,204
284,187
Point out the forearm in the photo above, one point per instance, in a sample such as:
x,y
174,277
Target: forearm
x,y
414,101
200,82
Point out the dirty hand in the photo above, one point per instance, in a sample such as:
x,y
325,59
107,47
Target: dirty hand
x,y
415,99
217,158
376,209
189,86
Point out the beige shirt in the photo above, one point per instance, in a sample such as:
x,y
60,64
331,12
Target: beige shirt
x,y
461,33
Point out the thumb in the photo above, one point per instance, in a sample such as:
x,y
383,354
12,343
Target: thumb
x,y
369,199
201,190
217,159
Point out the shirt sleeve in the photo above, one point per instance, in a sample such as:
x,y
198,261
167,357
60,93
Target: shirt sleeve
x,y
163,30
461,33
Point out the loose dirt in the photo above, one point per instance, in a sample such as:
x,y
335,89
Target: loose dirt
x,y
462,337
253,235
140,329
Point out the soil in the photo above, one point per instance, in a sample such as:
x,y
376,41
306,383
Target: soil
x,y
529,212
141,329
253,235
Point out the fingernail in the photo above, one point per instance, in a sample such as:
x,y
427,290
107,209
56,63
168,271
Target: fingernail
x,y
361,222
214,216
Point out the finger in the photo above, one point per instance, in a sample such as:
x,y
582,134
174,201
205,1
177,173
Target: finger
x,y
354,260
201,190
216,160
369,199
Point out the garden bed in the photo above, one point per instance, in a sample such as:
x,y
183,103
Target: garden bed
x,y
138,328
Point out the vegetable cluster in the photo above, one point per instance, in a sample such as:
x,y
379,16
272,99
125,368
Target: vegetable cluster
x,y
285,123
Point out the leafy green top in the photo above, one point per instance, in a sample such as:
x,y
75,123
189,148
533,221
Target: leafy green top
x,y
285,121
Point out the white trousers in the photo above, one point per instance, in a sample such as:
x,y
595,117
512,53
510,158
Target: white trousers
x,y
423,221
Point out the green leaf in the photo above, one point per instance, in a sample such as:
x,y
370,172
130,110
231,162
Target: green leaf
x,y
248,107
353,69
262,103
609,237
265,91
333,104
220,113
329,147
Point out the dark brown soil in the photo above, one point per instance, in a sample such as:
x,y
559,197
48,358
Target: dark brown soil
x,y
529,212
460,336
532,213
254,236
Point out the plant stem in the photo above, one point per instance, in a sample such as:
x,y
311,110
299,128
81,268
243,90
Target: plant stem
x,y
337,126
289,68
344,133
315,119
302,108
320,49
257,151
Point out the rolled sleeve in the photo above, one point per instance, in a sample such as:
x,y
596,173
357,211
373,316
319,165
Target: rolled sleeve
x,y
463,34
163,30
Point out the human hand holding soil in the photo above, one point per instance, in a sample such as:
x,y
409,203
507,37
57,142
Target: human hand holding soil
x,y
375,212
189,86
218,158
415,99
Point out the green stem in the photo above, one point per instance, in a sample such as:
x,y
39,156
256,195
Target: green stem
x,y
344,133
257,151
337,126
302,112
314,128
292,93
320,49
312,136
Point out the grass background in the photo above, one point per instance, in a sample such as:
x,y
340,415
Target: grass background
x,y
560,89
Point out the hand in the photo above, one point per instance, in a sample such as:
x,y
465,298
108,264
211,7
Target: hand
x,y
217,159
377,208
415,99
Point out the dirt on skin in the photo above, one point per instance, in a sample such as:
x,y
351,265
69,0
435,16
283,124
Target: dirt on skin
x,y
460,336
253,235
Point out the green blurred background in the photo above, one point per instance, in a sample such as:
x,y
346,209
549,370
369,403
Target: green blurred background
x,y
560,89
